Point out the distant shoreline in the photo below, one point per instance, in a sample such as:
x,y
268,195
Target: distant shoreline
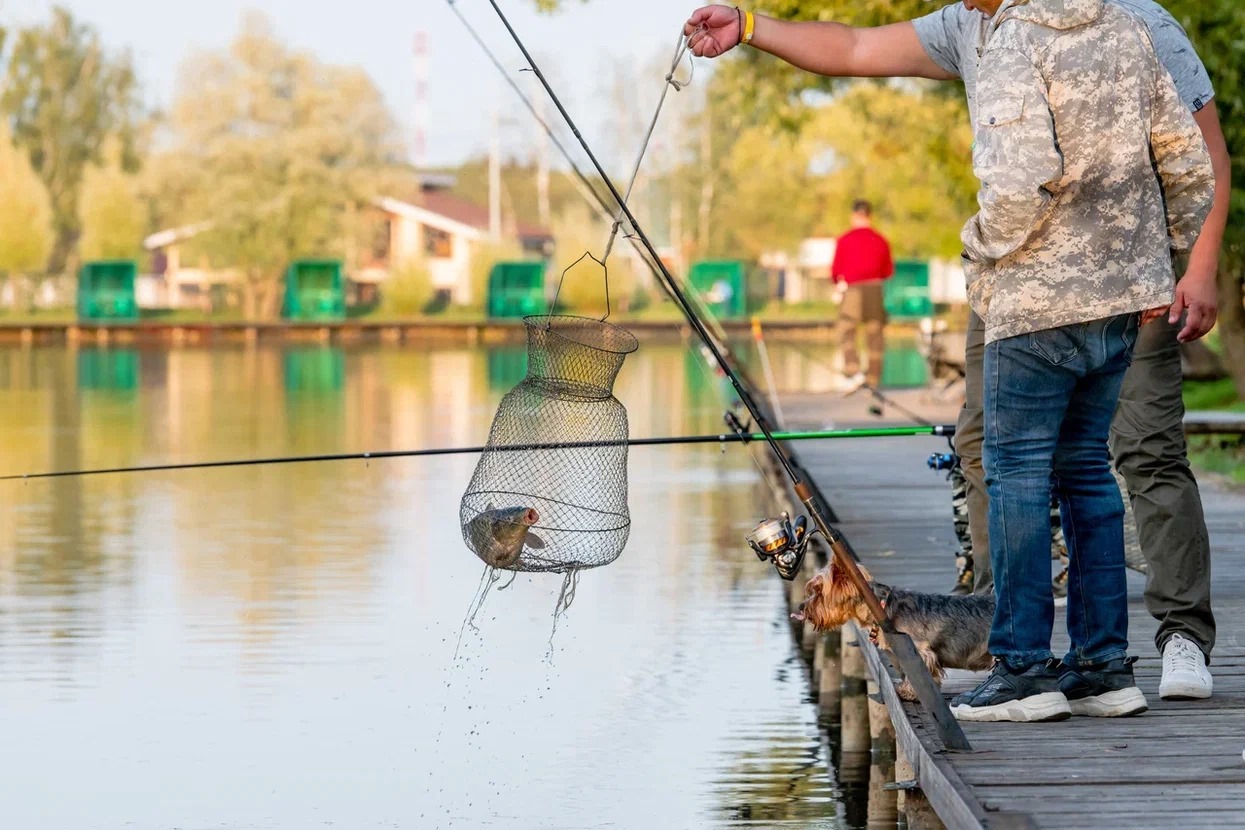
x,y
368,331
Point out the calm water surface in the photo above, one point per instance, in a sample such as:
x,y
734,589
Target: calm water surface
x,y
274,647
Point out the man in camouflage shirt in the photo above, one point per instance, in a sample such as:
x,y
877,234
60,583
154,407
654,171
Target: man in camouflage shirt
x,y
1073,244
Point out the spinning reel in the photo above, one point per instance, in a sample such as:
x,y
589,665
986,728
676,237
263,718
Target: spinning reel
x,y
782,542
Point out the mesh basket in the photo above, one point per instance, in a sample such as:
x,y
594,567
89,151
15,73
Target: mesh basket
x,y
555,508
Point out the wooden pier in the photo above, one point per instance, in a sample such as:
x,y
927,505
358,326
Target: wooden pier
x,y
1179,765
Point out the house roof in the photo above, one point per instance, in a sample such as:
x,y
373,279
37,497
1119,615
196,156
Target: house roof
x,y
439,204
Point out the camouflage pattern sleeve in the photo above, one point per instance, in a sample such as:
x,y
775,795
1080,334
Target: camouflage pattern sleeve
x,y
1015,156
1183,164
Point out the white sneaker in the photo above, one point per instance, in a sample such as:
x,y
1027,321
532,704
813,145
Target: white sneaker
x,y
849,383
1185,675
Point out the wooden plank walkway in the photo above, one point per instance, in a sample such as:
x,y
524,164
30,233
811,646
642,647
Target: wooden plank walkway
x,y
1179,765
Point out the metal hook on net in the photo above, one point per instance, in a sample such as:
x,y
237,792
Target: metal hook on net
x,y
606,272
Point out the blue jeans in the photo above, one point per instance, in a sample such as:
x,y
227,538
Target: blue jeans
x,y
1049,400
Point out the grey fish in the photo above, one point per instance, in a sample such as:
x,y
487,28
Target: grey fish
x,y
498,535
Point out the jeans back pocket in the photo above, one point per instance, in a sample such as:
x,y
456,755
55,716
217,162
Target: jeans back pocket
x,y
1059,345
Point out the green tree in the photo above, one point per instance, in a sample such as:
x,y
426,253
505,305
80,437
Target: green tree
x,y
64,96
25,214
1215,28
272,148
111,212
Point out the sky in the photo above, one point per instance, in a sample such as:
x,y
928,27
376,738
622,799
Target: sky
x,y
576,48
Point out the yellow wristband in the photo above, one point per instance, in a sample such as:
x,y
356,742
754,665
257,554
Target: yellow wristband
x,y
750,23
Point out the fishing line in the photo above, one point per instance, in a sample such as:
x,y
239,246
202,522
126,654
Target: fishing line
x,y
662,277
877,393
678,295
903,648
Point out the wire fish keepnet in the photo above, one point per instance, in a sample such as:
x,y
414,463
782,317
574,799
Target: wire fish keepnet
x,y
561,509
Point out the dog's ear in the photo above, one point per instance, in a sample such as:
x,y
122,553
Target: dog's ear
x,y
840,579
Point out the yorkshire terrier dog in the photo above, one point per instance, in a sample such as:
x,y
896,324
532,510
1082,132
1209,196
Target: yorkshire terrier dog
x,y
949,632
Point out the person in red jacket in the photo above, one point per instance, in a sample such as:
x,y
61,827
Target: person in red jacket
x,y
862,262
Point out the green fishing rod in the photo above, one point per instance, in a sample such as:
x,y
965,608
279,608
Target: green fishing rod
x,y
787,554
673,440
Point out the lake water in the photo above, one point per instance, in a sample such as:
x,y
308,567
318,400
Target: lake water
x,y
274,647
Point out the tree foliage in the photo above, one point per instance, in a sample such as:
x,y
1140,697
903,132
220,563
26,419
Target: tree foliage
x,y
26,231
64,97
273,148
111,211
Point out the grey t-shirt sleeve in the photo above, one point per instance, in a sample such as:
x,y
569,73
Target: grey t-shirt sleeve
x,y
942,35
1174,51
1178,57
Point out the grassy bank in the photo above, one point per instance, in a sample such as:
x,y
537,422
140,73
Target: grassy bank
x,y
1219,454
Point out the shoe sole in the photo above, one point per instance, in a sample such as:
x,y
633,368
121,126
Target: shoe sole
x,y
1049,706
1183,691
1118,704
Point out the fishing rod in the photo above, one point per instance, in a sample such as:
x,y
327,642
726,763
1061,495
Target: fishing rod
x,y
585,184
674,440
587,190
786,554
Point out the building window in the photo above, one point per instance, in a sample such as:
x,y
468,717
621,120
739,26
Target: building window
x,y
437,243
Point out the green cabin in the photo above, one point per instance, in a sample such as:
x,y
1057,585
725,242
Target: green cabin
x,y
315,290
106,291
906,294
722,285
516,289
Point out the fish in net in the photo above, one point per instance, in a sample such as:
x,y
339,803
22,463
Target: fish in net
x,y
549,494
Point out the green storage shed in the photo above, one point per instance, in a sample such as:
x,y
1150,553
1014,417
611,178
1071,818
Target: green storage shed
x,y
516,289
315,290
906,294
106,291
722,284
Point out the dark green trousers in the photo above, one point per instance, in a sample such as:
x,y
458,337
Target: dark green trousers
x,y
1148,445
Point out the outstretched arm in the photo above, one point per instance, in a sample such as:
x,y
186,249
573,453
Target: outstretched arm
x,y
830,49
1197,291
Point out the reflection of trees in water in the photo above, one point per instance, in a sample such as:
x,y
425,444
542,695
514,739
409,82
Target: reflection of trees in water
x,y
777,778
66,540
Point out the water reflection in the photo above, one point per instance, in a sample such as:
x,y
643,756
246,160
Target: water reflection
x,y
285,635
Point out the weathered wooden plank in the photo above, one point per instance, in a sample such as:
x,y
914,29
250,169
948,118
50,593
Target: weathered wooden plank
x,y
950,797
1179,765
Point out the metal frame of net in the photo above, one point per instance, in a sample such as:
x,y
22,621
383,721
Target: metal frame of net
x,y
557,509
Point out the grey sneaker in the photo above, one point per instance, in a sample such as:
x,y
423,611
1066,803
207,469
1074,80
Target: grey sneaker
x,y
1023,697
1106,690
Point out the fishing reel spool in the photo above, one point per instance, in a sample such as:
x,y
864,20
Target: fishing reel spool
x,y
782,542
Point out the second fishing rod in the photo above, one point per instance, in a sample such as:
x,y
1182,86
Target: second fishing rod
x,y
787,558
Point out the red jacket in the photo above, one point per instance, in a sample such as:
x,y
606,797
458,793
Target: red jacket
x,y
861,255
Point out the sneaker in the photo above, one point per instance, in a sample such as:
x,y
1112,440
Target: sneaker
x,y
1024,697
1059,586
1106,690
1185,675
849,383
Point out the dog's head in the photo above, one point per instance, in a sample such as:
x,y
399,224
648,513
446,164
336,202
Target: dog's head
x,y
831,599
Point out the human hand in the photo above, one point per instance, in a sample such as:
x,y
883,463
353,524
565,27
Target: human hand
x,y
1150,315
712,31
1197,294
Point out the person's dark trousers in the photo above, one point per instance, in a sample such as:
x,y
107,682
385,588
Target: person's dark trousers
x,y
1148,444
1049,399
